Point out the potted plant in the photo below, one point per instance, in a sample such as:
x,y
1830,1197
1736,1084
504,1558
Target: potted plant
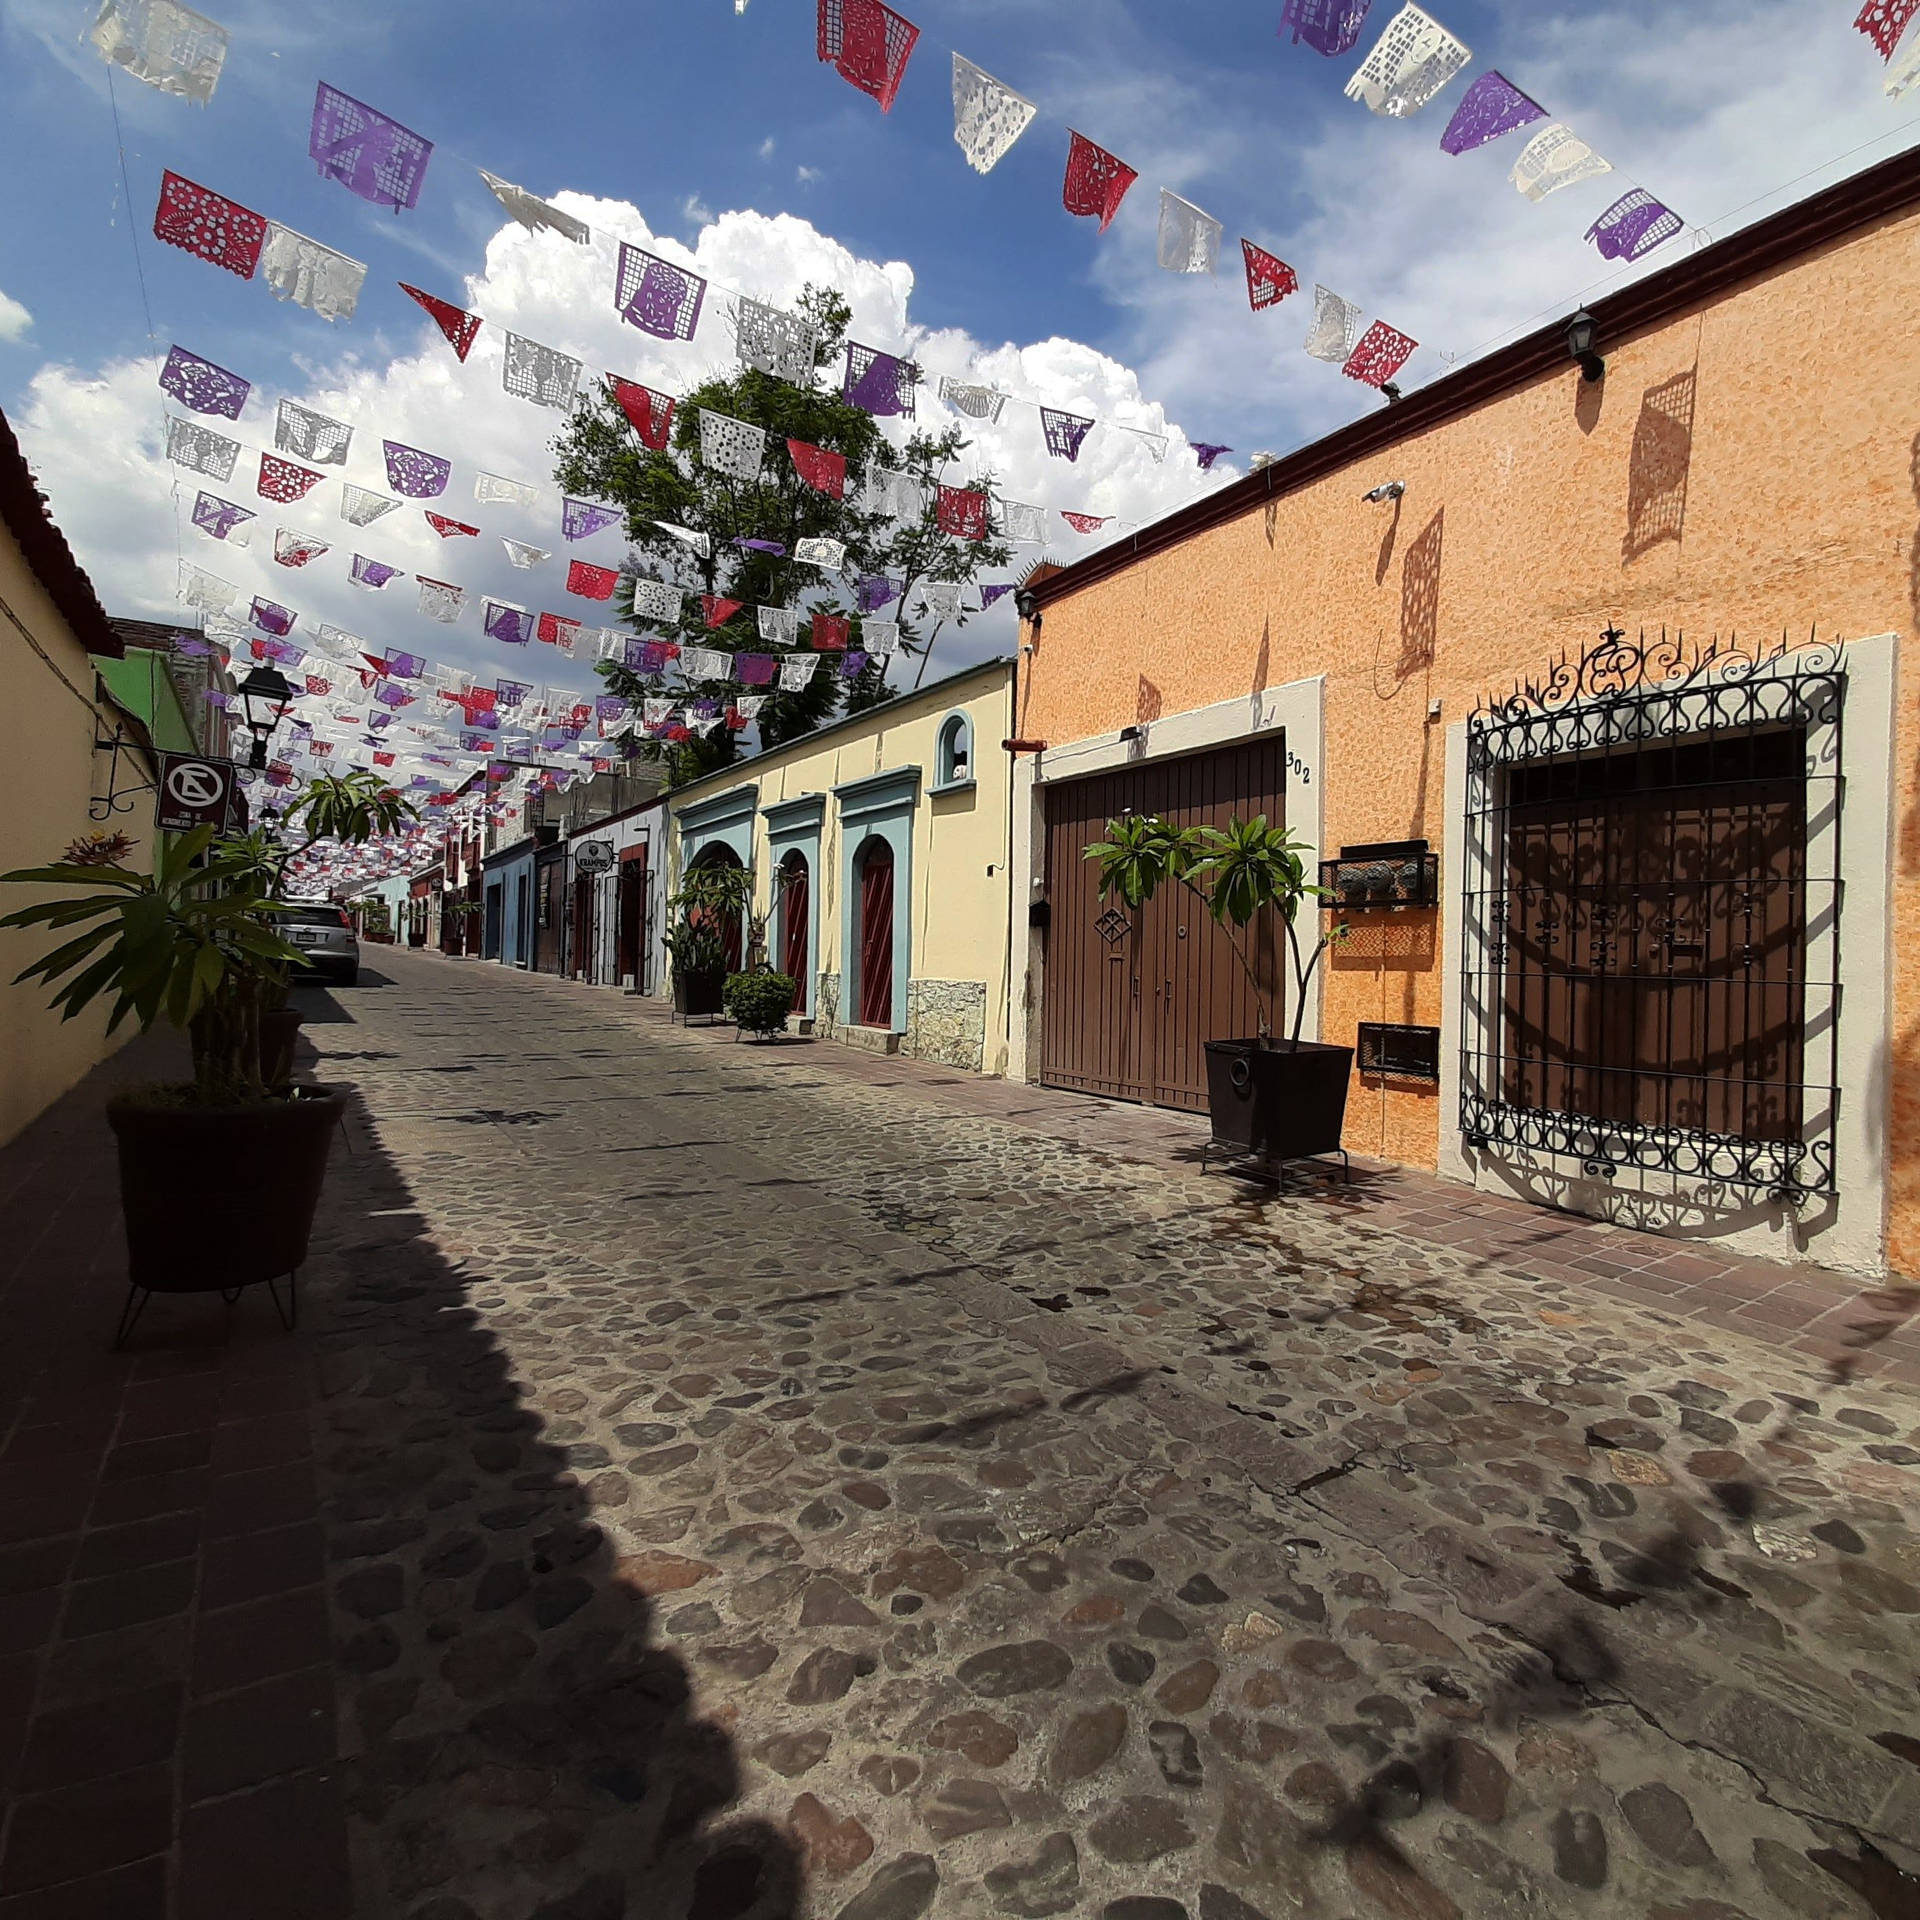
x,y
711,899
699,964
1285,1099
193,942
759,1002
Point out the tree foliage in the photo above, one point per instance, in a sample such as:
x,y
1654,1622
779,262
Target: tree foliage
x,y
600,456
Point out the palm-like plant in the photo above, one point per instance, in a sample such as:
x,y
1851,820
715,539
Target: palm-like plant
x,y
1237,872
351,808
190,941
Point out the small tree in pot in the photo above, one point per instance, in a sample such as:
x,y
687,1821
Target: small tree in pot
x,y
1286,1098
194,943
711,899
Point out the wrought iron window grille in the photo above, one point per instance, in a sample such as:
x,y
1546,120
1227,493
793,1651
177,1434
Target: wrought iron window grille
x,y
1650,925
1386,874
1397,1052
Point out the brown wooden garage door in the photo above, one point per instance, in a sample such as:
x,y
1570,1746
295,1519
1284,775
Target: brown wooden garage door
x,y
1131,996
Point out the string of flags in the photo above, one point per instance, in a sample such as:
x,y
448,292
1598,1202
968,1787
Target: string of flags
x,y
731,446
870,44
1410,65
650,293
1889,25
960,512
382,161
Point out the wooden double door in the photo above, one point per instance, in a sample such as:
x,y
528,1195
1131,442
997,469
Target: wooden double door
x,y
1132,995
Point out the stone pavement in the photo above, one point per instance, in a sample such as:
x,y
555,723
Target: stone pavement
x,y
771,1481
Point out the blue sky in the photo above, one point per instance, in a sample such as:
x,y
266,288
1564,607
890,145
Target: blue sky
x,y
687,111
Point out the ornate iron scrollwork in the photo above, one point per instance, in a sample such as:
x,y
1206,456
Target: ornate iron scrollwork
x,y
1615,665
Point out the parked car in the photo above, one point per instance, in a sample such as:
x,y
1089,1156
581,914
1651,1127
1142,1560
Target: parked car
x,y
326,939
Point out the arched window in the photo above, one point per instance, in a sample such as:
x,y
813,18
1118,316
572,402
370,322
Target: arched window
x,y
953,759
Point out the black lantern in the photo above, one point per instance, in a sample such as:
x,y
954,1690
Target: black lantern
x,y
1581,330
264,695
1026,603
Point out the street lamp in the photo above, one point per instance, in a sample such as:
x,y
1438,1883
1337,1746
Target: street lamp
x,y
264,694
1581,330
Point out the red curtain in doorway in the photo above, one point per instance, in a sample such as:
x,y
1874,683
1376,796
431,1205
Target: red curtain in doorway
x,y
795,909
876,937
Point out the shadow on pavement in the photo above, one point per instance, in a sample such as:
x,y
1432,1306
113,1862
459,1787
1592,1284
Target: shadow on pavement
x,y
517,1744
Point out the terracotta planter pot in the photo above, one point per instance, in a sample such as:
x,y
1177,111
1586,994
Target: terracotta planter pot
x,y
192,1227
1287,1100
279,1029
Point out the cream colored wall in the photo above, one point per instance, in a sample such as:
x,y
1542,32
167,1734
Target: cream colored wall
x,y
51,773
960,841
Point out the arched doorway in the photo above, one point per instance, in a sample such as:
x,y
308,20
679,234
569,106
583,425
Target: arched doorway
x,y
876,935
721,856
796,907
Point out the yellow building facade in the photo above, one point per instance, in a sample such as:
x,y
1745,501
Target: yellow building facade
x,y
879,848
56,708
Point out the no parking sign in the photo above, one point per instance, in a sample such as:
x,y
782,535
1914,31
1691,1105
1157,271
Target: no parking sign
x,y
193,790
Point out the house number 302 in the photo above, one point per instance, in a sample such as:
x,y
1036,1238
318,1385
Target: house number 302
x,y
1299,768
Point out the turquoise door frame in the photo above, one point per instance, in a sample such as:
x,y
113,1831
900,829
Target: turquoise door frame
x,y
724,821
879,807
793,826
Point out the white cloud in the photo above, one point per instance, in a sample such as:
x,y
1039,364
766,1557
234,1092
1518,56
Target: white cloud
x,y
807,175
15,321
696,210
96,437
766,148
1702,109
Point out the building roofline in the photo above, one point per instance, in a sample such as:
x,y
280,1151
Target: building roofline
x,y
613,819
739,770
23,509
1891,187
526,843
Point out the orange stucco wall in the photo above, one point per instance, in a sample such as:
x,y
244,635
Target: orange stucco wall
x,y
1790,502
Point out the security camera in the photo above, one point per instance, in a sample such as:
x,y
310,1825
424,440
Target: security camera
x,y
1386,490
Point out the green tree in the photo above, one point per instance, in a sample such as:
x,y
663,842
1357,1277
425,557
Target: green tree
x,y
600,456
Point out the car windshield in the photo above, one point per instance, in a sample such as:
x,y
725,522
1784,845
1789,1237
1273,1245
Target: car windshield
x,y
310,916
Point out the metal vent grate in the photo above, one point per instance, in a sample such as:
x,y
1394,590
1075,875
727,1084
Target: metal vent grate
x,y
1404,1053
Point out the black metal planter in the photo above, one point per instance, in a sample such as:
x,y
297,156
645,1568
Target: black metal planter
x,y
1277,1101
698,995
191,1228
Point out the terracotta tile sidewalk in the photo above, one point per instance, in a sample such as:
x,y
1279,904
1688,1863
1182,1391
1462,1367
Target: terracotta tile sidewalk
x,y
166,1694
1859,1326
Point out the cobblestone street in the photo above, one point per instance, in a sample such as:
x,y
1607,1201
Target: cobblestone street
x,y
759,1481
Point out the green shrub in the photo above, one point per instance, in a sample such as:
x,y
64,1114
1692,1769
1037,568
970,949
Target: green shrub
x,y
758,1002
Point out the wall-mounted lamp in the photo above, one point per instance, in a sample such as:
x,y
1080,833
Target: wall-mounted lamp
x,y
1581,332
1026,603
1389,392
1131,733
1386,490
